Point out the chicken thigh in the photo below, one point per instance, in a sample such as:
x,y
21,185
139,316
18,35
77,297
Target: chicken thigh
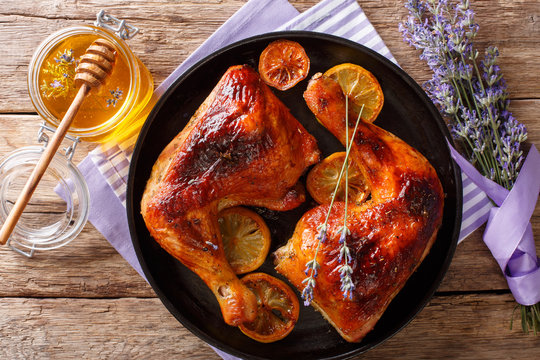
x,y
241,147
390,234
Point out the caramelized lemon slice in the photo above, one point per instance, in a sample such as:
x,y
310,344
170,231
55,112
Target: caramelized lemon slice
x,y
361,87
277,311
283,64
322,179
246,238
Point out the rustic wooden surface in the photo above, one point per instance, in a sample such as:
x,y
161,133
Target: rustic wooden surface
x,y
85,301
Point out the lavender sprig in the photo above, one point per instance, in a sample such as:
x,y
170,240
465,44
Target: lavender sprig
x,y
313,266
345,270
63,75
471,92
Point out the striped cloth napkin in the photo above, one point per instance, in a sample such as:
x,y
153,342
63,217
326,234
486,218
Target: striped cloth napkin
x,y
106,168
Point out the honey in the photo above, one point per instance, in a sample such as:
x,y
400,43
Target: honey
x,y
108,109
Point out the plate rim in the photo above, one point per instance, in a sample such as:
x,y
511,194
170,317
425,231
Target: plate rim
x,y
268,37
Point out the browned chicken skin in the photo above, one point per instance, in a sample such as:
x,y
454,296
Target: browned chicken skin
x,y
390,234
241,147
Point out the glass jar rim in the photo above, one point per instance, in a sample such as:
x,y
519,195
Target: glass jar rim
x,y
43,51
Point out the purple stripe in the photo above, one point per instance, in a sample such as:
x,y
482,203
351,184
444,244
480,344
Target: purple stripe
x,y
121,165
466,182
119,182
316,23
322,18
378,46
474,209
110,152
356,29
100,160
109,172
129,150
475,225
364,39
348,18
468,196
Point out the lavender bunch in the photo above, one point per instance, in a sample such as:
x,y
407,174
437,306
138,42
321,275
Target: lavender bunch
x,y
471,92
345,270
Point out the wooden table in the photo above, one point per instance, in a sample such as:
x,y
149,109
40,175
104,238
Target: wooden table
x,y
85,301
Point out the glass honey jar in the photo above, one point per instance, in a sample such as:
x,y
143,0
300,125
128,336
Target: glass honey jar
x,y
60,205
118,105
114,105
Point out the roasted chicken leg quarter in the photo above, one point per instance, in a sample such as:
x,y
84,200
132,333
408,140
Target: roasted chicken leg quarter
x,y
390,234
241,147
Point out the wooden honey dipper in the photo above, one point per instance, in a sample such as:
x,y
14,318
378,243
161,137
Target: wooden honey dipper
x,y
94,66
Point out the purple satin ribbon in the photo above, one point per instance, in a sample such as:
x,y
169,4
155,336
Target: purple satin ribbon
x,y
508,233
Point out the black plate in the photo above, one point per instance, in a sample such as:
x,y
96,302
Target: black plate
x,y
407,112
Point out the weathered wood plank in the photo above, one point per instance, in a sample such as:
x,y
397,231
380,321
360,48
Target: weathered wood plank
x,y
450,327
94,329
461,327
516,33
87,267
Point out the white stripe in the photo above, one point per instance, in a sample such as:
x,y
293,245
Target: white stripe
x,y
120,193
477,215
362,33
384,51
374,41
351,24
124,173
106,166
337,17
316,15
475,200
467,189
128,142
107,146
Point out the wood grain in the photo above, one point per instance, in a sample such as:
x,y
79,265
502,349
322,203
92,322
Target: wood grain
x,y
85,301
450,327
169,35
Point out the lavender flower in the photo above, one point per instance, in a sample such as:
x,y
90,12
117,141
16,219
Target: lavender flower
x,y
345,270
56,84
347,286
116,95
307,293
471,93
322,233
312,270
66,57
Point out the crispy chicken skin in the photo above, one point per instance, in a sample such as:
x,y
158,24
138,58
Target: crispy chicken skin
x,y
241,147
390,234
